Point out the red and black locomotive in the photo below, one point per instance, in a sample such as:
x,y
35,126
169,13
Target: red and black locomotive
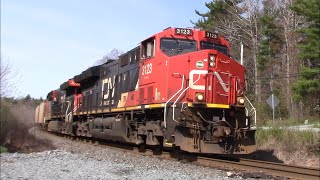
x,y
178,88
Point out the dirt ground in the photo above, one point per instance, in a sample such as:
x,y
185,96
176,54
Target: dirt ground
x,y
271,149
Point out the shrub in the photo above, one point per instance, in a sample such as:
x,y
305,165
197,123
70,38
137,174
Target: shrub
x,y
3,149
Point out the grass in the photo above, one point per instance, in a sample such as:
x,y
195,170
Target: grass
x,y
316,126
289,140
291,122
3,149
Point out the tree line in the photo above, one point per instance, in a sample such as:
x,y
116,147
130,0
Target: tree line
x,y
281,41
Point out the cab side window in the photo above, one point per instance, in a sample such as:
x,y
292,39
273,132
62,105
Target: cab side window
x,y
148,48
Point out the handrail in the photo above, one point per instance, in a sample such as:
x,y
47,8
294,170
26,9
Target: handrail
x,y
226,62
70,114
165,105
66,118
69,118
252,111
174,104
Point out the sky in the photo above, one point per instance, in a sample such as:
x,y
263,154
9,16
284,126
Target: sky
x,y
48,42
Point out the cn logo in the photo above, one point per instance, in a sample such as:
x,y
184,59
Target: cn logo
x,y
195,76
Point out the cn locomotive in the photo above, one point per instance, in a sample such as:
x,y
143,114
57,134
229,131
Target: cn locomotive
x,y
179,88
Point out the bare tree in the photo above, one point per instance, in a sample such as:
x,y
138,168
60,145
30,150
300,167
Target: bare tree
x,y
113,54
290,22
238,22
5,84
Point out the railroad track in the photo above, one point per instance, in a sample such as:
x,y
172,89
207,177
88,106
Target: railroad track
x,y
238,164
271,168
248,165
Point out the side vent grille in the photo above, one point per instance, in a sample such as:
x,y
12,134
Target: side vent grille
x,y
150,94
141,95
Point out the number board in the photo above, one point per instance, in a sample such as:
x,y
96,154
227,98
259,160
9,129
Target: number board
x,y
183,31
211,35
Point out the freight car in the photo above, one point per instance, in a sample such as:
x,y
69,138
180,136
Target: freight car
x,y
179,88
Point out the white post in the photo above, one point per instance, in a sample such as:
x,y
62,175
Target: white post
x,y
272,99
241,54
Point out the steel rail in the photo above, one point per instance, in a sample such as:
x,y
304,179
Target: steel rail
x,y
277,169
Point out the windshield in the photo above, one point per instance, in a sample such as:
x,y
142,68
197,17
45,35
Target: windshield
x,y
210,45
172,46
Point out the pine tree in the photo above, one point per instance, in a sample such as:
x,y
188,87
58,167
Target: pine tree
x,y
307,88
217,9
271,42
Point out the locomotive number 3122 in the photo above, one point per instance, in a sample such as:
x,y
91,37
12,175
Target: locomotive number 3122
x,y
146,69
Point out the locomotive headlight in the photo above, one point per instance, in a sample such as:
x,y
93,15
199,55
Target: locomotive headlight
x,y
199,96
240,100
212,60
212,57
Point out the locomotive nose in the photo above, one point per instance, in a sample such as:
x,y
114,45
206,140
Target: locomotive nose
x,y
215,79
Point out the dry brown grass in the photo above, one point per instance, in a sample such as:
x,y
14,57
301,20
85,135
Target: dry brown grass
x,y
292,151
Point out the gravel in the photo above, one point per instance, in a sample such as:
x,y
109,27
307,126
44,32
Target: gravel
x,y
78,160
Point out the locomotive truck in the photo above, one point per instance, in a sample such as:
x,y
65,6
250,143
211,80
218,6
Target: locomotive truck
x,y
179,88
